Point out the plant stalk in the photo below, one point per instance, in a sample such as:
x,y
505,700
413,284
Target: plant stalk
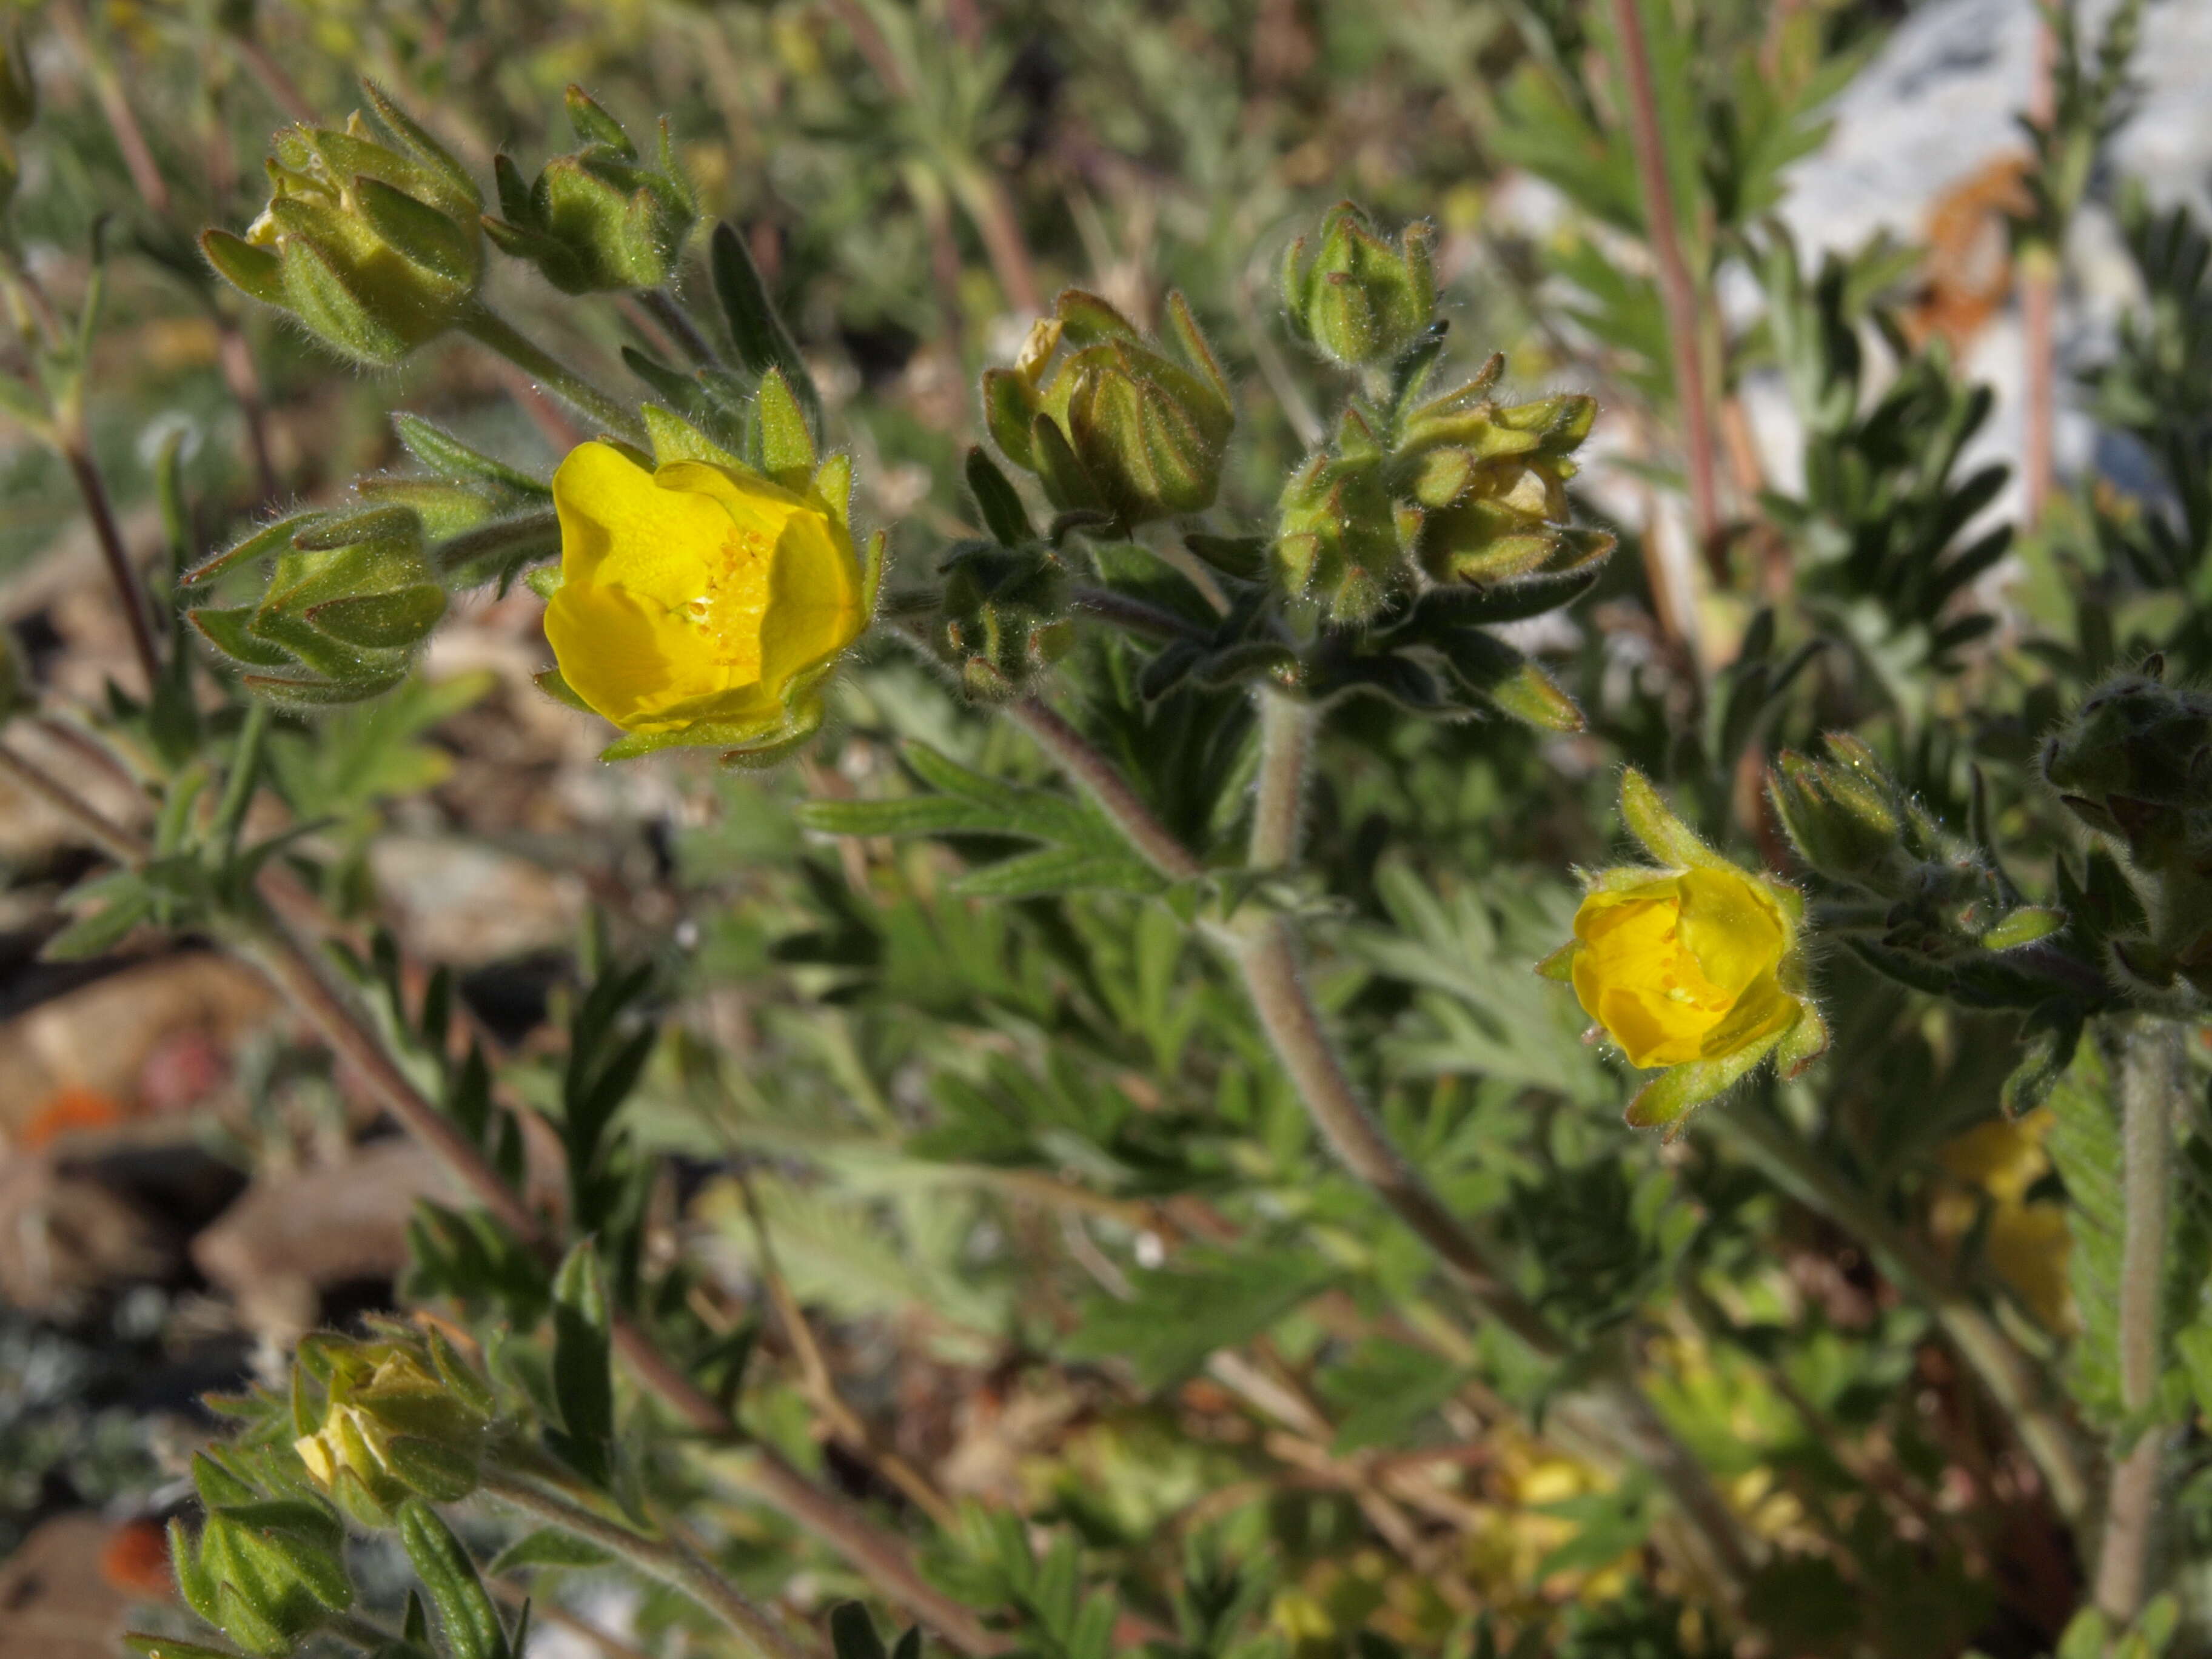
x,y
667,1560
661,306
2152,1072
1264,951
490,330
1678,292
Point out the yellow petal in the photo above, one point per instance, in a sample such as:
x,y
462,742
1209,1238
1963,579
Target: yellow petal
x,y
619,525
814,598
1730,926
631,660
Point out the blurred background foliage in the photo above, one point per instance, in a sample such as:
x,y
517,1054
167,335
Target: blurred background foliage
x,y
979,1198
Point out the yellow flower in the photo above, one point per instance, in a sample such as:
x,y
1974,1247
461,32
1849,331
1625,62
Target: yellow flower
x,y
698,602
1682,967
1694,967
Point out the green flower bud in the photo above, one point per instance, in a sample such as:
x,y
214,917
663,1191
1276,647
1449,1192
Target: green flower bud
x,y
1842,827
1492,483
1006,616
1341,542
370,238
1359,297
1114,426
599,219
351,596
397,1423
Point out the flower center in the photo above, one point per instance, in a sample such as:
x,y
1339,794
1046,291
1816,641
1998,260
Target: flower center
x,y
729,612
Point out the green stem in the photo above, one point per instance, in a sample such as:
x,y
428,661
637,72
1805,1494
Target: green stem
x,y
663,307
1287,738
1265,950
670,1561
2152,1072
2005,1372
541,530
244,773
488,329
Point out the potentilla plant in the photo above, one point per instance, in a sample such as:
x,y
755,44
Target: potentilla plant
x,y
1250,782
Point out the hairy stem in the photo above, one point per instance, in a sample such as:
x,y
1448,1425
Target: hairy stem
x,y
1286,736
2152,1074
667,1560
1135,615
2006,1374
1264,951
663,307
1678,292
488,329
880,1556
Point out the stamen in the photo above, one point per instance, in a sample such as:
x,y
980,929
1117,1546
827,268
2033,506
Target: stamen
x,y
729,612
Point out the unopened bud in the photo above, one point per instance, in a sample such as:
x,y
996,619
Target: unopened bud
x,y
351,597
394,1426
1106,420
1006,616
1358,295
599,219
1340,541
370,237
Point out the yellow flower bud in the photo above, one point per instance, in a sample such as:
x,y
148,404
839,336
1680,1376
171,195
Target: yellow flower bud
x,y
693,596
1682,967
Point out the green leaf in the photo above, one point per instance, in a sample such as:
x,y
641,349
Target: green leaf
x,y
548,1546
466,1613
853,1632
1205,1299
1383,1389
1082,849
996,499
756,329
583,1379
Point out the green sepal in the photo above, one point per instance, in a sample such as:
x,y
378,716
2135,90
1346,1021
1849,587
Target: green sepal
x,y
1560,964
832,486
875,557
803,719
1669,839
1803,1043
170,1647
545,580
1667,1100
554,686
786,445
1010,407
469,1622
1530,694
2023,926
270,538
254,271
382,621
449,457
675,439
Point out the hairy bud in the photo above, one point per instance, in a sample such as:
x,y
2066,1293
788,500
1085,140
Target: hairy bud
x,y
599,219
1006,616
370,238
351,596
1359,296
1107,421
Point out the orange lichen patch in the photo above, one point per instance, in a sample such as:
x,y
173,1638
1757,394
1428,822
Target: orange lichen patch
x,y
135,1561
1967,275
69,1108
